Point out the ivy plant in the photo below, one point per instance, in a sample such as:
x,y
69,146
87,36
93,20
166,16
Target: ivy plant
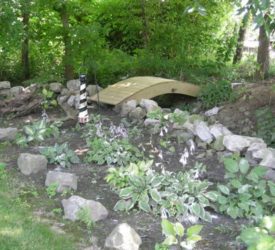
x,y
246,193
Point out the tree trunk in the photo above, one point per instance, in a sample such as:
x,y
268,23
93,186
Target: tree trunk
x,y
67,59
241,37
145,31
25,43
263,54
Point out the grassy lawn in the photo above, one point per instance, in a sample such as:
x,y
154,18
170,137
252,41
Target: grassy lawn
x,y
19,230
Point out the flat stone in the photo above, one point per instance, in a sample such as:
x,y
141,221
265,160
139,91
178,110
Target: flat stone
x,y
203,132
123,237
237,143
75,203
31,164
16,91
5,85
8,134
62,99
64,180
268,158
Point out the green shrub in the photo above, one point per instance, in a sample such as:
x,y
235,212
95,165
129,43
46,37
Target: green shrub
x,y
214,94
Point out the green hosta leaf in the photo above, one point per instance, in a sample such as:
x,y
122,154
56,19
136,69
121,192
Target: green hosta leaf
x,y
179,229
155,195
250,236
143,203
156,181
256,173
29,131
121,205
269,223
244,189
212,195
233,212
167,228
194,230
170,240
244,166
137,181
193,239
235,183
222,199
126,193
224,189
271,187
231,165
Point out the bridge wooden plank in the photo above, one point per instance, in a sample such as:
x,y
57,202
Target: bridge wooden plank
x,y
144,87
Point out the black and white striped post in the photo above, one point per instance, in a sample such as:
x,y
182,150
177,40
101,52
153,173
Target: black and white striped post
x,y
83,116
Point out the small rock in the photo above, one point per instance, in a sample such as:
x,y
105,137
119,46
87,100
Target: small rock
x,y
56,87
151,122
268,158
64,180
5,85
128,107
31,164
270,174
148,105
5,92
73,85
137,114
237,143
218,130
62,99
77,101
213,111
93,90
123,237
75,203
203,132
257,150
16,91
8,134
65,91
71,101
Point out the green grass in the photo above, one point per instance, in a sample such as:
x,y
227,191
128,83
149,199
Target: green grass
x,y
19,230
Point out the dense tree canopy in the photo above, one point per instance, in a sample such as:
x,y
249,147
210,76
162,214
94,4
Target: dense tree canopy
x,y
55,40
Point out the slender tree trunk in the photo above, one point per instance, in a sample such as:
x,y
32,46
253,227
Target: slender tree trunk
x,y
25,43
67,59
263,54
145,31
241,37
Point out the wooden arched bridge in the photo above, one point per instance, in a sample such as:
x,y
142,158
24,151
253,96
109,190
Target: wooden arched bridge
x,y
137,88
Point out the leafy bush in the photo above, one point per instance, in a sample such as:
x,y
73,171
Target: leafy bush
x,y
60,155
261,237
174,232
173,194
49,99
266,125
246,193
119,152
37,132
214,94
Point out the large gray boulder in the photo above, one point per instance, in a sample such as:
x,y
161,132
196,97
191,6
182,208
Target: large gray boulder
x,y
137,114
71,101
268,158
75,203
202,131
148,105
16,91
218,130
5,85
93,89
73,85
127,107
123,237
31,164
64,181
56,87
8,134
237,143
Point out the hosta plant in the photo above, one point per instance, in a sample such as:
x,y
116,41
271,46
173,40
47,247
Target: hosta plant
x,y
246,193
60,155
117,152
260,237
37,132
175,235
179,194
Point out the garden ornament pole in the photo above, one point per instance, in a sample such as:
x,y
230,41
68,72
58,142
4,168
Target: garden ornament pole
x,y
83,116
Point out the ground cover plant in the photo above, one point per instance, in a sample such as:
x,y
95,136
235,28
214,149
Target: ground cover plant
x,y
19,229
